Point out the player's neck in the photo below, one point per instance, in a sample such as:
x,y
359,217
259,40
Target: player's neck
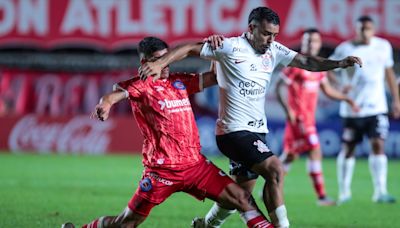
x,y
360,41
249,39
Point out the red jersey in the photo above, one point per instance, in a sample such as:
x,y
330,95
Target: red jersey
x,y
165,118
303,88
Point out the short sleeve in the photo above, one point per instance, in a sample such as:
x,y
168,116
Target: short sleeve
x,y
208,53
389,58
192,82
284,55
131,87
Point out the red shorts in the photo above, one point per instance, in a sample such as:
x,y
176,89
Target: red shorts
x,y
202,180
300,138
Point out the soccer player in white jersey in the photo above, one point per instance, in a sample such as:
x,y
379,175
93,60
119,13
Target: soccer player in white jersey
x,y
366,86
244,68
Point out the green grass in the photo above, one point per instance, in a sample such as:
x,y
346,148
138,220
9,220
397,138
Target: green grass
x,y
47,190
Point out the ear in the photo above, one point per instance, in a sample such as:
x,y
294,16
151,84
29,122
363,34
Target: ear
x,y
251,28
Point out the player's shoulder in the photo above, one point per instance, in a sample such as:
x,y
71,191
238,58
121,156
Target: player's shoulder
x,y
381,41
279,48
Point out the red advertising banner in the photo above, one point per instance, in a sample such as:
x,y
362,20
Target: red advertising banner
x,y
72,134
113,25
56,93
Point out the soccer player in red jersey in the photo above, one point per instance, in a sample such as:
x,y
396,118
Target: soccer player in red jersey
x,y
171,148
300,132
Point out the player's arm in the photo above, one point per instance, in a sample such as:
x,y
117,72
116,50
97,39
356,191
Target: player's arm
x,y
210,77
316,63
333,93
174,55
102,109
394,90
278,91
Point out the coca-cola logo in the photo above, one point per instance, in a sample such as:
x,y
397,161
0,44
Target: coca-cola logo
x,y
76,135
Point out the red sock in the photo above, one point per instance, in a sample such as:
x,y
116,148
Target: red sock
x,y
259,222
318,182
93,224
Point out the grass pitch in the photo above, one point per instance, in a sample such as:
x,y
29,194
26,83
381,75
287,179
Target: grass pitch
x,y
47,190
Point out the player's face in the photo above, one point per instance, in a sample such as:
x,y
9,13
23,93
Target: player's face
x,y
311,43
156,55
263,34
365,30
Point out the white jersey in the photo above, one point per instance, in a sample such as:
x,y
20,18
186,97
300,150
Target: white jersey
x,y
243,78
368,82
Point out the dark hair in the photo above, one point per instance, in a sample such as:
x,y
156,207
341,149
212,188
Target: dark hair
x,y
264,13
365,18
311,30
150,44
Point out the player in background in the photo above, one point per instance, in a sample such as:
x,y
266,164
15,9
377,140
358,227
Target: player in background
x,y
171,148
244,69
366,86
300,131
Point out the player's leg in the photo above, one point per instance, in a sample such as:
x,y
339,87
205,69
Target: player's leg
x,y
377,160
287,158
272,171
314,168
226,193
352,135
217,214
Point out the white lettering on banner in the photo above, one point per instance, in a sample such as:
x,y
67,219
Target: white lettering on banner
x,y
113,23
126,26
33,16
301,15
7,9
78,17
80,134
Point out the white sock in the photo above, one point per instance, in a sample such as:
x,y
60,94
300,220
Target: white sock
x,y
217,215
345,168
378,168
286,165
314,166
279,217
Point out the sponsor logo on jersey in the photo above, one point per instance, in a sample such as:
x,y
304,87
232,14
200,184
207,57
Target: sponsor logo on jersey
x,y
238,49
251,88
178,105
253,67
157,177
261,146
179,85
283,49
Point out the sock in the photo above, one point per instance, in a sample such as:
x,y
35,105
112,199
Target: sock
x,y
217,215
98,223
378,168
254,219
279,217
286,165
345,168
314,168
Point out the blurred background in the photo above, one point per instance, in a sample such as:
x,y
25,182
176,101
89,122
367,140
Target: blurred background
x,y
58,57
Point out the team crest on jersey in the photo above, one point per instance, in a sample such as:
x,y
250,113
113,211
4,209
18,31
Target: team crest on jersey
x,y
179,85
145,184
261,146
266,62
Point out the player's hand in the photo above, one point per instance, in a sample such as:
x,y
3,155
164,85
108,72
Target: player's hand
x,y
215,41
150,69
396,110
102,111
350,61
353,105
